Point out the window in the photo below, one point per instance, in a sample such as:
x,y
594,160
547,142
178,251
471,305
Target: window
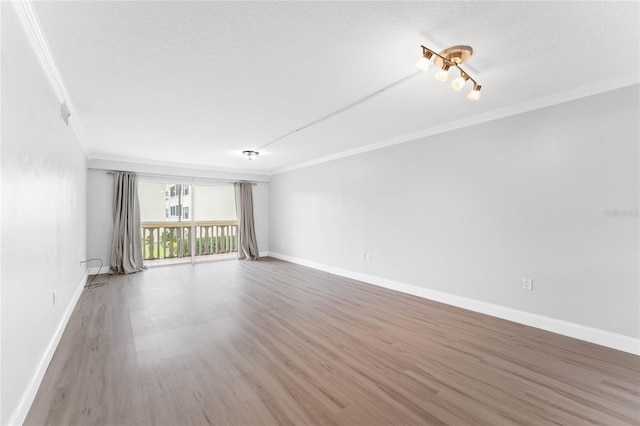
x,y
177,211
173,227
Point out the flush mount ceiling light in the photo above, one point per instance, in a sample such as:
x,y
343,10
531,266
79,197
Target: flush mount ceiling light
x,y
450,58
250,155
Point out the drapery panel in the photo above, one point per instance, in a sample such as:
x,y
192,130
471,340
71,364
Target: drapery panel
x,y
247,243
126,244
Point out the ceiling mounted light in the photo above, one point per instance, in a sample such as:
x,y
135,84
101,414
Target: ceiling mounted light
x,y
250,155
451,57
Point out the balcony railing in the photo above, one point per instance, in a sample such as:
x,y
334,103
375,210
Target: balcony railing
x,y
164,240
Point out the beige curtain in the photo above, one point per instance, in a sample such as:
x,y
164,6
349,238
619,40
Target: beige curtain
x,y
247,244
126,244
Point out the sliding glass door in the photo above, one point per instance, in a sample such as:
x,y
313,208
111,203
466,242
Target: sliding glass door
x,y
182,222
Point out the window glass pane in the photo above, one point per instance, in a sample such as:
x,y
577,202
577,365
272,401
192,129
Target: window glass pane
x,y
165,224
152,201
215,220
215,203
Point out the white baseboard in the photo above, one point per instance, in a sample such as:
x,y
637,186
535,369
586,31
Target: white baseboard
x,y
263,254
577,331
22,409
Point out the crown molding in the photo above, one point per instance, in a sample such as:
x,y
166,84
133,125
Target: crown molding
x,y
535,104
32,28
175,169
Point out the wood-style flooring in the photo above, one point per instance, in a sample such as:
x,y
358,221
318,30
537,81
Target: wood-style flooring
x,y
269,342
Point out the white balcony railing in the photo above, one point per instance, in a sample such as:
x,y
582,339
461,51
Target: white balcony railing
x,y
164,240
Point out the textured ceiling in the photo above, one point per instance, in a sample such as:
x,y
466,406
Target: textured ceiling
x,y
195,83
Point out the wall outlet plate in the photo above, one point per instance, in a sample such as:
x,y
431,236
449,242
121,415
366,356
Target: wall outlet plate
x,y
527,283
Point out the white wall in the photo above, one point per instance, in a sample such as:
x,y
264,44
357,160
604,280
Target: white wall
x,y
473,211
43,220
99,217
100,201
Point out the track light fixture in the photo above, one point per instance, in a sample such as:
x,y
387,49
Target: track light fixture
x,y
448,58
250,155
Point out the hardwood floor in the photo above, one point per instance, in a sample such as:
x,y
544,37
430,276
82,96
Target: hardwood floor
x,y
269,342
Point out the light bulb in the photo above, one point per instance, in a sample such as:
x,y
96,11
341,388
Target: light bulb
x,y
423,63
458,83
475,93
443,73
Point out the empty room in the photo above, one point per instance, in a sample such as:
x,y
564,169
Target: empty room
x,y
319,212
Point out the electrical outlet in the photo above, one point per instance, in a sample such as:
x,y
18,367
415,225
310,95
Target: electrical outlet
x,y
527,283
370,257
54,299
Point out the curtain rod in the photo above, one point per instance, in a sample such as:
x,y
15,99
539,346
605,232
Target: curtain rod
x,y
111,172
